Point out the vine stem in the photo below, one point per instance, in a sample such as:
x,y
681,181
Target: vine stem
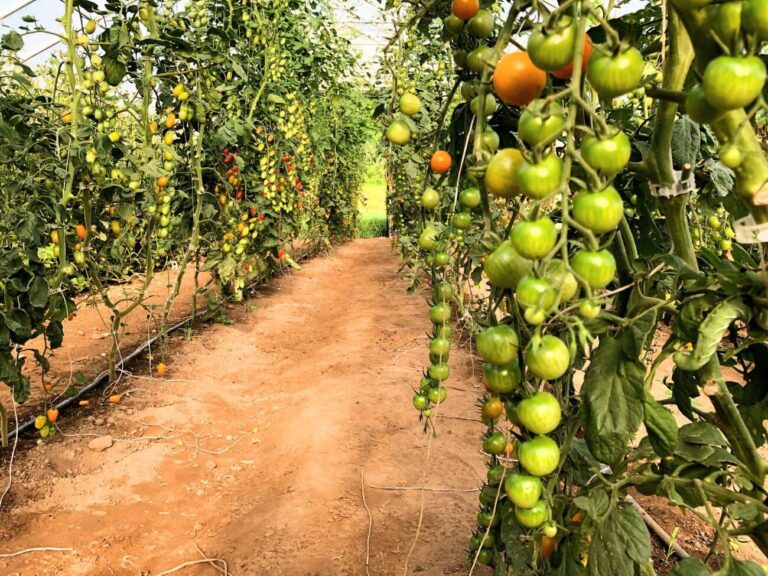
x,y
679,59
481,155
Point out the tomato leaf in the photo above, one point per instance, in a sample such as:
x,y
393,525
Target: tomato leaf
x,y
613,399
711,331
620,542
518,555
12,41
690,567
661,426
38,292
686,142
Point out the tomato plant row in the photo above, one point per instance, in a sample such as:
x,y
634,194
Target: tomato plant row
x,y
569,183
208,132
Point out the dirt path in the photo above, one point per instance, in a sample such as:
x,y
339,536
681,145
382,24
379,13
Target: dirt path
x,y
252,447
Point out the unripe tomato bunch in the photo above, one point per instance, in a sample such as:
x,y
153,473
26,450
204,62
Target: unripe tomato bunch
x,y
549,269
562,131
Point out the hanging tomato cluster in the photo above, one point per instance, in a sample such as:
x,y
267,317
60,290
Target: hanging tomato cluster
x,y
528,223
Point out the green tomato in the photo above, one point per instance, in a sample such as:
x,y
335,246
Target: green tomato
x,y
440,346
462,220
612,75
430,199
420,402
608,155
589,310
553,47
533,292
498,344
505,267
437,394
470,198
442,292
534,239
410,104
399,133
496,443
732,82
522,490
502,379
440,313
491,140
563,282
533,517
539,456
599,212
478,57
428,238
541,122
547,358
495,474
754,17
597,269
731,156
481,24
491,105
539,414
540,179
698,107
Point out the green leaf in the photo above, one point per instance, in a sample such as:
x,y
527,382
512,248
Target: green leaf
x,y
710,332
518,555
295,265
661,426
686,141
638,333
685,385
38,292
12,41
596,504
745,568
18,322
690,567
613,399
619,543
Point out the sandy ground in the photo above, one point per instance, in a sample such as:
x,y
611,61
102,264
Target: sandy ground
x,y
253,445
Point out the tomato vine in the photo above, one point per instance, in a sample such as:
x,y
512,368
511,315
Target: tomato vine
x,y
587,151
206,136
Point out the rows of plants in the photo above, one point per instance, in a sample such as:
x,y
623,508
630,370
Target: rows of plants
x,y
205,135
585,195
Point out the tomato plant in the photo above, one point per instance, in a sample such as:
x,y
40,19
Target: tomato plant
x,y
210,135
626,192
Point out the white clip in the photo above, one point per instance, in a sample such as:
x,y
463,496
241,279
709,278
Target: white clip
x,y
747,232
678,188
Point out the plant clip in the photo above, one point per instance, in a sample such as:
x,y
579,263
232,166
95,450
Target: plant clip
x,y
747,232
681,185
761,197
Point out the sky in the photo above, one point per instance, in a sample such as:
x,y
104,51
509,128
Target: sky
x,y
359,21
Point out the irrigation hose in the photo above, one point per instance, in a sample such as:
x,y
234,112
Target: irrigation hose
x,y
100,379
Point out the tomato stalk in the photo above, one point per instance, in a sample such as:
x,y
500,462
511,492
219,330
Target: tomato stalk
x,y
678,61
194,243
481,156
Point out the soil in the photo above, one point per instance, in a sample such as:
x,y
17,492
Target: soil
x,y
254,445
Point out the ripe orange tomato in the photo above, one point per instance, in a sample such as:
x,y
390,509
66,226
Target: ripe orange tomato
x,y
586,53
441,162
161,369
517,81
81,231
465,9
52,414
